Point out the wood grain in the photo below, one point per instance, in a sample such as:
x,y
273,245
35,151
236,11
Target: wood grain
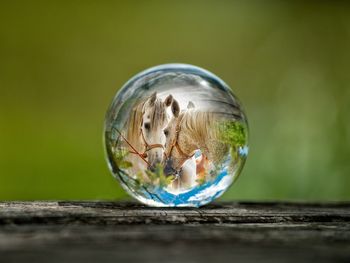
x,y
92,231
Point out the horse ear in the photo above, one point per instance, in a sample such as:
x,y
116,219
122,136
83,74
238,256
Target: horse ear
x,y
168,100
190,105
152,98
175,108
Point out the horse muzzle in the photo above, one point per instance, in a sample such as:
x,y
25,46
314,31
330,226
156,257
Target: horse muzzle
x,y
169,170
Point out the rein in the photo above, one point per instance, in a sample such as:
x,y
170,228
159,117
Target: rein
x,y
134,151
148,147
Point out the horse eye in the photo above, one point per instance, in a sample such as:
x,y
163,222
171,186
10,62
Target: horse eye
x,y
166,132
147,126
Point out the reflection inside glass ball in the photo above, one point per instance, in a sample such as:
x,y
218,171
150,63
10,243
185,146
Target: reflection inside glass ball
x,y
175,135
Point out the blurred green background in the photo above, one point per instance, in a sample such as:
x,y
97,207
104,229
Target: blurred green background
x,y
63,61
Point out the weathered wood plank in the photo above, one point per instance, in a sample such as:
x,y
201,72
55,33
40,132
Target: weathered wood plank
x,y
112,231
130,213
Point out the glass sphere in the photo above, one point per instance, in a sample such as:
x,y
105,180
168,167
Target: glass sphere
x,y
175,135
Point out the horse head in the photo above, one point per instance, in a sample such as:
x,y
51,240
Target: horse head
x,y
178,146
154,119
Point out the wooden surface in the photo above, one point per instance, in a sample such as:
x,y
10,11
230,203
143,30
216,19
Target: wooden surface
x,y
129,232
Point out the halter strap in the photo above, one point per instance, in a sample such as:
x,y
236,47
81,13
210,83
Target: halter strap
x,y
150,146
176,144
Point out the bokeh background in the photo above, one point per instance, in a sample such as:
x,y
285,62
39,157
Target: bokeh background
x,y
61,63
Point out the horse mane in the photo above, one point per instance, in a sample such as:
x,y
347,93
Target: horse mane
x,y
198,124
158,113
133,125
203,125
203,129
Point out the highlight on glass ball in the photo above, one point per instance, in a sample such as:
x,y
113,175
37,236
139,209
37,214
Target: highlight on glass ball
x,y
175,135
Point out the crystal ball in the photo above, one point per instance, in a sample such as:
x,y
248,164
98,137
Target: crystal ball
x,y
175,135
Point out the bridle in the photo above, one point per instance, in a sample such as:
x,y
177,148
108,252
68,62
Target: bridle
x,y
176,145
147,146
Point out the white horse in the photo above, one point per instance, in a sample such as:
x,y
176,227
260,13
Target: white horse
x,y
186,174
145,138
189,131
